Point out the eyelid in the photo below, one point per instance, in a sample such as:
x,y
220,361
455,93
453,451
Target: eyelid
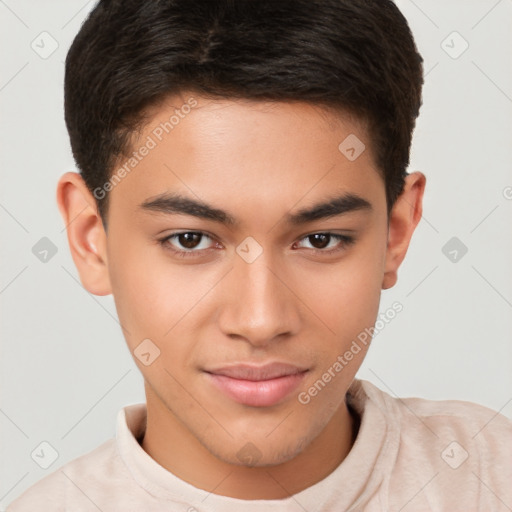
x,y
186,252
332,235
344,242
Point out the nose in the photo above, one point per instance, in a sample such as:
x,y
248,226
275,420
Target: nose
x,y
259,305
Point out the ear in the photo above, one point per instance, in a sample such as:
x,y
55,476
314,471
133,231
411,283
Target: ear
x,y
86,236
403,219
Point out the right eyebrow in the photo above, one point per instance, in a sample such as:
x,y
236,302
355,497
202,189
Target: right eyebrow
x,y
178,204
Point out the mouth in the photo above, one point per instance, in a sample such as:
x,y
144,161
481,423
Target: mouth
x,y
257,386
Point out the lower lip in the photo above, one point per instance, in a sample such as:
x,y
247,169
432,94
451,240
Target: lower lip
x,y
263,393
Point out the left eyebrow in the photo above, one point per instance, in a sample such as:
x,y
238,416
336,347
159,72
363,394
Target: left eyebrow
x,y
332,208
178,204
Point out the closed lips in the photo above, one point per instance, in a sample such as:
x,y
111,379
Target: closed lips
x,y
258,373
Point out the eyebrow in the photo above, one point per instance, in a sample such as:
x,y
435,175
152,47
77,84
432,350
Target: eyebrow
x,y
178,204
336,206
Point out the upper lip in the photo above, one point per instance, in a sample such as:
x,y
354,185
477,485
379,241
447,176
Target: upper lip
x,y
256,373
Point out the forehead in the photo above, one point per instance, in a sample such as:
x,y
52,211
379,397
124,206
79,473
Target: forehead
x,y
247,154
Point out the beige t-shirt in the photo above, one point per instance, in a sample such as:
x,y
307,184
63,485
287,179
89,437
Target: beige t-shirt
x,y
410,454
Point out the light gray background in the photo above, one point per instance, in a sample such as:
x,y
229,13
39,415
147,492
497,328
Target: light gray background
x,y
65,369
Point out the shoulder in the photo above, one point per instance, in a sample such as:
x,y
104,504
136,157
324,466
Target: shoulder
x,y
71,485
453,452
440,418
479,426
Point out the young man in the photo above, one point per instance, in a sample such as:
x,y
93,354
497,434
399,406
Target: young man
x,y
243,195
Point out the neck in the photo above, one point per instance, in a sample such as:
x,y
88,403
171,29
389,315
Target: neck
x,y
174,447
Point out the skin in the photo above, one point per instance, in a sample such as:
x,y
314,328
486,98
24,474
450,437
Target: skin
x,y
259,162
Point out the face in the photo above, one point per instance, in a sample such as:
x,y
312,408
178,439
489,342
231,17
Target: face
x,y
245,237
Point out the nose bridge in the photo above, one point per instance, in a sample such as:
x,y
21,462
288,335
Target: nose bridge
x,y
258,305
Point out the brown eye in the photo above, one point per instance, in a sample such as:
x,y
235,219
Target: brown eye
x,y
187,243
189,240
319,240
327,243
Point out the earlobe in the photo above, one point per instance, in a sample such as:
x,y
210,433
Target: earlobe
x,y
404,217
86,235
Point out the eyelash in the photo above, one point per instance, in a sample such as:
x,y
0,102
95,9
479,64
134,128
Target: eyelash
x,y
345,239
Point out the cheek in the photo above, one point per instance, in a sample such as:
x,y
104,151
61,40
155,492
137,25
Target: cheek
x,y
157,299
149,296
347,301
346,295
